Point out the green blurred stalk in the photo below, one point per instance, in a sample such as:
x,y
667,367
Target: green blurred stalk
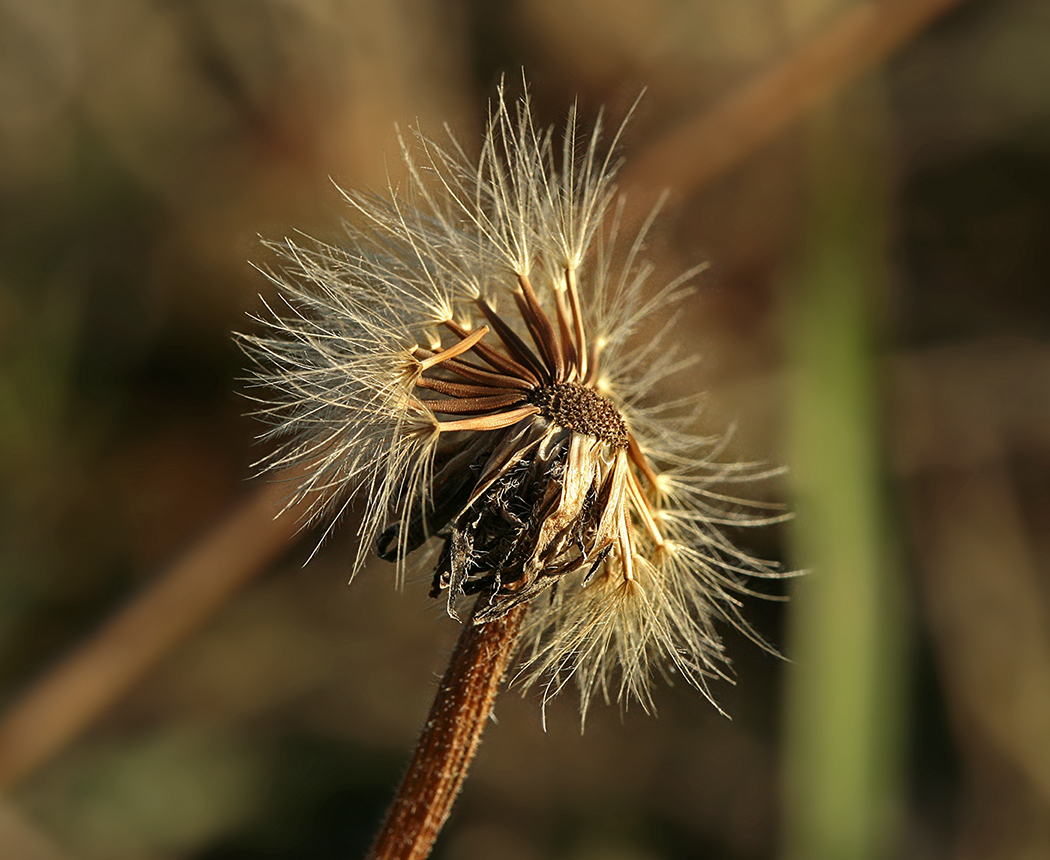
x,y
846,682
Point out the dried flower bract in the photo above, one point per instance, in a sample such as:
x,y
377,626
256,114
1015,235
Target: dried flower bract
x,y
468,366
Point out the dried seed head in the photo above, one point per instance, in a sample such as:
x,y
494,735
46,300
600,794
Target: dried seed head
x,y
576,407
464,364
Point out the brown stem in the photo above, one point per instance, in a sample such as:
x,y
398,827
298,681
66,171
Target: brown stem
x,y
449,738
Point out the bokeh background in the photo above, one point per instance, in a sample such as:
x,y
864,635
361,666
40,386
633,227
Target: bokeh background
x,y
876,316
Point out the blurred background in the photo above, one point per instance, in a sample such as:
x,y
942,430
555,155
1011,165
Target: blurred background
x,y
876,316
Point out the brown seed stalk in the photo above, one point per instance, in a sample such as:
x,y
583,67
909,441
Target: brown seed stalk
x,y
450,737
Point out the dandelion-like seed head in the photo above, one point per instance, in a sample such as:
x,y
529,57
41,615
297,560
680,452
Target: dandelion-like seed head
x,y
467,366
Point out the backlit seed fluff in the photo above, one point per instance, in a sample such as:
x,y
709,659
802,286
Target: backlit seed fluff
x,y
468,366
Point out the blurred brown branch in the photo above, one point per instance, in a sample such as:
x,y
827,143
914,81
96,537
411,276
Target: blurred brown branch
x,y
724,136
84,685
89,681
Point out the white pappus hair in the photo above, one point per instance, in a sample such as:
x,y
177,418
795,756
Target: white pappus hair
x,y
466,364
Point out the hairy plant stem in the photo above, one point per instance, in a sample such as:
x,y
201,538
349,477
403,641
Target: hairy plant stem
x,y
450,737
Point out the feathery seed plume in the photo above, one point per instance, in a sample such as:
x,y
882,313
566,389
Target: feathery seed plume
x,y
467,365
